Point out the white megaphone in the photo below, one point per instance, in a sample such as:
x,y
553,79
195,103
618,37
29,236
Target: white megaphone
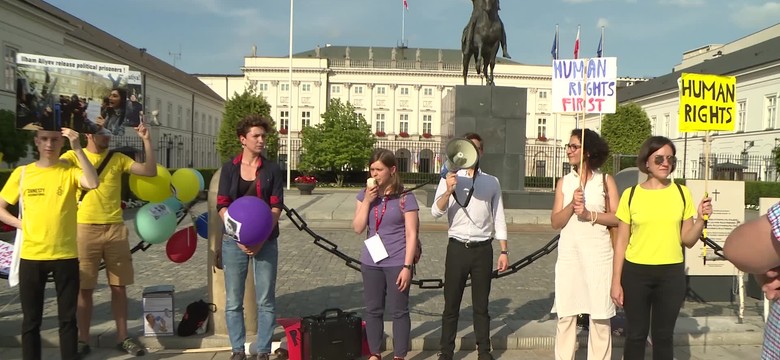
x,y
459,154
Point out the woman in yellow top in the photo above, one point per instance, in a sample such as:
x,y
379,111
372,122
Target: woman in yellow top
x,y
648,277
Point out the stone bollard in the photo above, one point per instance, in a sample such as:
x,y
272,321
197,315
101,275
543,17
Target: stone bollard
x,y
216,276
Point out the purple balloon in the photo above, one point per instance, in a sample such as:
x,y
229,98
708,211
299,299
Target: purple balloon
x,y
249,220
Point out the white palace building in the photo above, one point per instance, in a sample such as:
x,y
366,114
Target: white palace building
x,y
398,91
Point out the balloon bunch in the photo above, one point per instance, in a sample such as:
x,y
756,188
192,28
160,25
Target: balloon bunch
x,y
155,222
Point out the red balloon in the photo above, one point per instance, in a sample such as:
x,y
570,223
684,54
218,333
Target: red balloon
x,y
181,246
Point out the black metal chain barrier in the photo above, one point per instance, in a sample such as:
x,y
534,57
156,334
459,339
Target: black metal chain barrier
x,y
353,263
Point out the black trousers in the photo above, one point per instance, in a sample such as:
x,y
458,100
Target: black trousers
x,y
652,297
459,264
32,285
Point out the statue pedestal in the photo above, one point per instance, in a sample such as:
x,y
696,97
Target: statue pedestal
x,y
498,115
216,277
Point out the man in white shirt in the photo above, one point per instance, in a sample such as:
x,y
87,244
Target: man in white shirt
x,y
471,199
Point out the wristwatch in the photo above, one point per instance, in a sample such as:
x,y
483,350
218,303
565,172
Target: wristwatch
x,y
504,252
408,266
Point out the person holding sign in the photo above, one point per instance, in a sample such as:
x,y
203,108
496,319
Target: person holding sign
x,y
585,203
753,247
648,276
102,235
46,193
250,174
389,218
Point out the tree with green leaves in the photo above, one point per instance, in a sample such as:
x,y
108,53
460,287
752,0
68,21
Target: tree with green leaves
x,y
341,142
239,106
625,131
14,143
776,154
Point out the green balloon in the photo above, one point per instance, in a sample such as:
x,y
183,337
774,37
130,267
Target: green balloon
x,y
155,223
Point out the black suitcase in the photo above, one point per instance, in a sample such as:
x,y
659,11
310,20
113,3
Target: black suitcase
x,y
332,335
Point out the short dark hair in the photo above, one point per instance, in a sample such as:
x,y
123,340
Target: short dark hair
x,y
594,146
474,136
650,146
250,121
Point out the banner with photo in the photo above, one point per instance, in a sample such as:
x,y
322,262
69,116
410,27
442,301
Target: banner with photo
x,y
54,92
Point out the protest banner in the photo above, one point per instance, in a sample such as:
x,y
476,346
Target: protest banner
x,y
707,102
584,85
54,92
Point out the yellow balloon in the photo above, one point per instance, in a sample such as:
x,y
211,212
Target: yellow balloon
x,y
186,183
152,189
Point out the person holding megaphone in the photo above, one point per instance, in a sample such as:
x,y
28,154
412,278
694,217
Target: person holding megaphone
x,y
471,199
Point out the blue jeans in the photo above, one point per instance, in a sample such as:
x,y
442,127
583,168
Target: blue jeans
x,y
236,264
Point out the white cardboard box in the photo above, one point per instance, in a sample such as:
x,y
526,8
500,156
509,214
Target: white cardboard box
x,y
158,310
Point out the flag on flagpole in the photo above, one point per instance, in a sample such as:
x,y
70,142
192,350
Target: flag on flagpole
x,y
600,50
554,50
406,5
577,44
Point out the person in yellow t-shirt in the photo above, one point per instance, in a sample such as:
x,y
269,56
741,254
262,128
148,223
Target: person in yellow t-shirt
x,y
648,276
48,205
102,234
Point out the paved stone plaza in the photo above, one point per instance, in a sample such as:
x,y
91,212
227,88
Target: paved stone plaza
x,y
310,280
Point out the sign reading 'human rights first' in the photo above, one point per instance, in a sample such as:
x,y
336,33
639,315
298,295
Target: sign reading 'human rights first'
x,y
707,102
584,85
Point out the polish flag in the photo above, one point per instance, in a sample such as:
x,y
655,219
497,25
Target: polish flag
x,y
577,45
406,5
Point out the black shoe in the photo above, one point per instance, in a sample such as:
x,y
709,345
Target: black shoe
x,y
238,356
82,349
443,356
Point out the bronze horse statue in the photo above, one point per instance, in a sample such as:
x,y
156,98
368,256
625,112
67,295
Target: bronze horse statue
x,y
481,38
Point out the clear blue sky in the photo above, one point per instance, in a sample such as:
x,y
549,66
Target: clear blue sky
x,y
647,36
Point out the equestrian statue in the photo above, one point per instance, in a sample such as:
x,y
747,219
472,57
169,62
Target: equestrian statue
x,y
481,38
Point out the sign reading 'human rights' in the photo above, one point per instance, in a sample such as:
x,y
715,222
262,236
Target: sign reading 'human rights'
x,y
584,85
707,102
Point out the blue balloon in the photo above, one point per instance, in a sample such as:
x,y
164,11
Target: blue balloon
x,y
174,204
201,181
202,225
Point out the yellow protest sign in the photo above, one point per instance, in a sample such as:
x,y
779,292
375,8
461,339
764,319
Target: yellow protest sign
x,y
707,102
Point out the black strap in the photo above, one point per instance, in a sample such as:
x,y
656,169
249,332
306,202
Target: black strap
x,y
679,188
98,170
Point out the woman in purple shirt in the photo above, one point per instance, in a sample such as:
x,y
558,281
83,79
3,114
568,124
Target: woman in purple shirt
x,y
389,218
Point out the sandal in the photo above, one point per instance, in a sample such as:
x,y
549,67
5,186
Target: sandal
x,y
375,357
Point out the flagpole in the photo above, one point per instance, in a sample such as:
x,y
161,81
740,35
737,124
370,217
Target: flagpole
x,y
602,41
403,25
557,118
289,87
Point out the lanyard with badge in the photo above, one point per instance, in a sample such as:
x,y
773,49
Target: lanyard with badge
x,y
374,244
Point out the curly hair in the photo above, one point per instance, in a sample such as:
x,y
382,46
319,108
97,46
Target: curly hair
x,y
650,146
250,121
594,147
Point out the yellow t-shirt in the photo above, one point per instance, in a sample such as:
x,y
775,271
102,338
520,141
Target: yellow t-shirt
x,y
655,216
104,204
48,211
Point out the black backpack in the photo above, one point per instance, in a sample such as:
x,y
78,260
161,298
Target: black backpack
x,y
196,314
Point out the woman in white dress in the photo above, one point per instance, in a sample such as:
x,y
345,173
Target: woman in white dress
x,y
583,272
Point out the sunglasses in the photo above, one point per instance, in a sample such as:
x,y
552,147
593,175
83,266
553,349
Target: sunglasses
x,y
573,147
659,159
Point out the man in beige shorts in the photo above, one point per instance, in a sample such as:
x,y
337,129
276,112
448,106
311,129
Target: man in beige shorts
x,y
102,235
